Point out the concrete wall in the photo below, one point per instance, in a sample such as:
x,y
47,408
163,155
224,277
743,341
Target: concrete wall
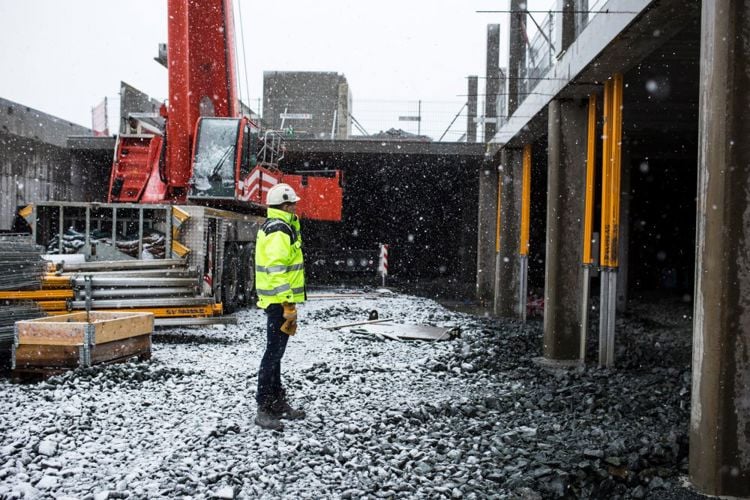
x,y
30,170
325,96
34,160
36,163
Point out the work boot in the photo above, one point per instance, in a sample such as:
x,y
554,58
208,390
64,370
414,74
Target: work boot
x,y
267,419
282,409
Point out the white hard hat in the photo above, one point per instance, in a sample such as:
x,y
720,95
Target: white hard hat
x,y
281,193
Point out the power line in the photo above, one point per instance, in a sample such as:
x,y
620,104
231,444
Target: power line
x,y
506,93
244,55
524,11
518,78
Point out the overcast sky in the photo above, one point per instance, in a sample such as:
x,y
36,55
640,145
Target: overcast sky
x,y
63,57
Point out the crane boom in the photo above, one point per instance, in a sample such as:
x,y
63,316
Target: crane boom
x,y
208,153
202,82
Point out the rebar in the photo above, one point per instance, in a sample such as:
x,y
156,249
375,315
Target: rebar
x,y
21,263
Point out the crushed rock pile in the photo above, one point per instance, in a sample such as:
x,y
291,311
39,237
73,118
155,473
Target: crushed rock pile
x,y
469,418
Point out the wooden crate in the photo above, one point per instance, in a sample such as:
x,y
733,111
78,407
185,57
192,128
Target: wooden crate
x,y
77,340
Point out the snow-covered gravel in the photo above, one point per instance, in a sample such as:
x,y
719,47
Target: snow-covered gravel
x,y
472,417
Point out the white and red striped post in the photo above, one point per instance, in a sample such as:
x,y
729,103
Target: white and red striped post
x,y
383,262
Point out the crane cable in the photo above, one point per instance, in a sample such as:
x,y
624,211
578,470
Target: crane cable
x,y
244,57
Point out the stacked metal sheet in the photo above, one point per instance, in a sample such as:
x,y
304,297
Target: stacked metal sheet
x,y
21,268
10,312
21,263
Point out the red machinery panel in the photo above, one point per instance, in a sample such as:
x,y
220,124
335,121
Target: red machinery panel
x,y
322,195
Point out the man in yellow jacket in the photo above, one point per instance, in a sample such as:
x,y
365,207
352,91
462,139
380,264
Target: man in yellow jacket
x,y
280,285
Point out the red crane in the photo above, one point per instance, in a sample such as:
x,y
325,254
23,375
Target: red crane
x,y
208,153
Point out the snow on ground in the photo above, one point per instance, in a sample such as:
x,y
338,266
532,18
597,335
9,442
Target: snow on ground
x,y
472,417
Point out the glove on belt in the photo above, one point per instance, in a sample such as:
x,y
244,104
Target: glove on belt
x,y
290,319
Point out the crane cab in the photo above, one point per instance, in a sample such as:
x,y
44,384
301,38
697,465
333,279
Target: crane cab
x,y
234,164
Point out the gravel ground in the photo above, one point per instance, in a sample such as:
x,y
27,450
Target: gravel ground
x,y
470,418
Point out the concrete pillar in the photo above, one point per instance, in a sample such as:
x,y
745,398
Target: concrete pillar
x,y
624,232
566,187
486,233
502,97
492,82
517,53
508,262
720,419
565,24
582,15
471,115
343,112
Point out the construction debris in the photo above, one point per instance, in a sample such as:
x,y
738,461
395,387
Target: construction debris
x,y
345,325
409,332
384,329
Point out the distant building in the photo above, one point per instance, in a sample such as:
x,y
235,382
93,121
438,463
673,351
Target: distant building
x,y
133,101
309,104
45,158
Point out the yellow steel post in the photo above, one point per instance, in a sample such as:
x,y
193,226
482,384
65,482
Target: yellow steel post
x,y
588,214
606,169
36,294
616,150
526,201
497,215
610,217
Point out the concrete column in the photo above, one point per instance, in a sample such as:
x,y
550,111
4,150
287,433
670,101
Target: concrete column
x,y
517,54
492,82
581,16
565,26
502,98
566,186
486,233
508,263
720,419
624,232
471,115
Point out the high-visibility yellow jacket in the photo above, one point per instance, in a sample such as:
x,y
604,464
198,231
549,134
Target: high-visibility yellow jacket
x,y
279,265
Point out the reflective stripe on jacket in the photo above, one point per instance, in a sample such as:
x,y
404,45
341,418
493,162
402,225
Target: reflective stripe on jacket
x,y
279,265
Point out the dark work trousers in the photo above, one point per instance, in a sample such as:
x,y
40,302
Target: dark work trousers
x,y
269,376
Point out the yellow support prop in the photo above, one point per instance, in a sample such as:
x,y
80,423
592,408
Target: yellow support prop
x,y
611,165
606,145
526,201
36,295
53,305
53,281
588,213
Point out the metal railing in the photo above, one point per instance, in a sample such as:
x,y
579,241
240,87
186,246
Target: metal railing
x,y
541,36
375,119
540,50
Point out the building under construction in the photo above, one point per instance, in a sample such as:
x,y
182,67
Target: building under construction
x,y
612,166
634,127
